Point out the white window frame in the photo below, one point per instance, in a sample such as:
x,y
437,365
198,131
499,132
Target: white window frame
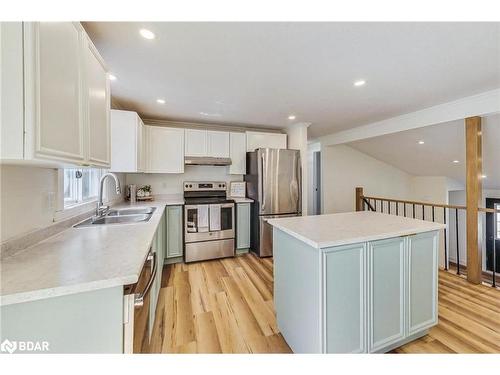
x,y
77,207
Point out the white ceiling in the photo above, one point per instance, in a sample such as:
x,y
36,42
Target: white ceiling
x,y
259,73
443,144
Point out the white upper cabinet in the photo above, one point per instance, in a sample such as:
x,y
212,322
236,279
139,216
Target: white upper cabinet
x,y
165,150
207,143
65,100
54,51
265,140
237,153
217,144
98,106
127,142
196,142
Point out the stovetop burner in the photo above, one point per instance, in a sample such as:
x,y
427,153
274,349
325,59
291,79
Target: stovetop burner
x,y
205,193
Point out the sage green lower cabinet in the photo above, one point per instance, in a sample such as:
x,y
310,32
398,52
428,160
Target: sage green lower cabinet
x,y
88,322
422,282
358,298
386,292
242,226
158,245
344,294
174,232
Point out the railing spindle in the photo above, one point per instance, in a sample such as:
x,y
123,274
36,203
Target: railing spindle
x,y
433,214
423,212
414,210
493,284
397,208
381,206
405,209
458,248
389,204
445,241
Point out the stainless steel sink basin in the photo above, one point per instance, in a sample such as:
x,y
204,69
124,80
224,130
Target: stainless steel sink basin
x,y
119,218
131,211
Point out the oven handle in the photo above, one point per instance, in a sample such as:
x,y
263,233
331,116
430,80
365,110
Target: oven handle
x,y
139,298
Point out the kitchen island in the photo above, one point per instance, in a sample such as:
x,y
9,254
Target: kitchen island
x,y
358,282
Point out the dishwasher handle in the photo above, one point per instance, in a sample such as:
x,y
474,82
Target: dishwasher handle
x,y
139,298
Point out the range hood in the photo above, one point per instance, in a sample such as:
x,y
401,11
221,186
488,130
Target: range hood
x,y
206,160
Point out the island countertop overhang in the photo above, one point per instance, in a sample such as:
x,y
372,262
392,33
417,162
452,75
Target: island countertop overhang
x,y
323,231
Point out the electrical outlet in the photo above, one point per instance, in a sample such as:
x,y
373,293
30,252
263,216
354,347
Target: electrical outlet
x,y
51,200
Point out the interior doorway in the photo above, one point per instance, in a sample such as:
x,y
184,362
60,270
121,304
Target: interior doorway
x,y
316,183
492,234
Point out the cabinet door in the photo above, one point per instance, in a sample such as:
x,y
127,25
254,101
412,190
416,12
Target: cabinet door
x,y
386,300
218,144
243,225
97,99
422,281
237,153
53,56
263,140
196,142
11,91
141,146
174,231
344,293
124,135
166,150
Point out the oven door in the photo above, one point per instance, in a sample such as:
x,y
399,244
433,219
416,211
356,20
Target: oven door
x,y
191,229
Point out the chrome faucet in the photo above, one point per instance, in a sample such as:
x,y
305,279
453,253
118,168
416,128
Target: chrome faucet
x,y
101,209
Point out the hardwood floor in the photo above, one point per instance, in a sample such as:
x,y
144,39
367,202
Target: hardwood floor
x,y
226,306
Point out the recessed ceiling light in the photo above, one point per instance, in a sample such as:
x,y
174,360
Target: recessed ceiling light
x,y
160,101
421,142
292,117
484,176
361,82
456,161
145,33
112,77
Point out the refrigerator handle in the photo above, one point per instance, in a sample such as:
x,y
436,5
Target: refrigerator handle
x,y
263,205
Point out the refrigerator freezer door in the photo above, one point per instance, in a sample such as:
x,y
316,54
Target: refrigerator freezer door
x,y
279,181
266,235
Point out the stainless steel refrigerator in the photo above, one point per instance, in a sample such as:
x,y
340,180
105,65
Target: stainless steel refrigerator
x,y
274,182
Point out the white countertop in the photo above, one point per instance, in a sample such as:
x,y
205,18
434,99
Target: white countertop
x,y
323,231
82,259
241,200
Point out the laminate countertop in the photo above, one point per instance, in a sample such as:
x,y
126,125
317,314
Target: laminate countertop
x,y
82,259
323,231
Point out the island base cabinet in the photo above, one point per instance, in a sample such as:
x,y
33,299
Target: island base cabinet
x,y
360,298
386,292
344,294
422,282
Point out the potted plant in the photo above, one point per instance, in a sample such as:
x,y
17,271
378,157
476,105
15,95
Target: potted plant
x,y
144,191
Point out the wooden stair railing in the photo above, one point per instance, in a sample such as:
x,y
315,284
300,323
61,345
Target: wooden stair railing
x,y
393,206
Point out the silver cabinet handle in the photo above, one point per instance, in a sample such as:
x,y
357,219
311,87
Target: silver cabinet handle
x,y
139,298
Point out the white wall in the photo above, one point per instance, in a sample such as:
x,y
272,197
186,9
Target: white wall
x,y
24,199
162,183
28,199
458,198
345,168
297,140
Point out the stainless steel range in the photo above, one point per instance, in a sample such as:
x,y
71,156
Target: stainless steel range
x,y
208,221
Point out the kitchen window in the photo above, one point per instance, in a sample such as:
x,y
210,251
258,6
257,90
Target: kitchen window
x,y
81,185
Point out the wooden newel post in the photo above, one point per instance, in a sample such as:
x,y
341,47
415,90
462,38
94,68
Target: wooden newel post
x,y
359,199
474,190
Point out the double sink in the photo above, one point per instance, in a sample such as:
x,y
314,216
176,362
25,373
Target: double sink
x,y
120,216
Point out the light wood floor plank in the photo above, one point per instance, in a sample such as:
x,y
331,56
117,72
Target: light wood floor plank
x,y
226,306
